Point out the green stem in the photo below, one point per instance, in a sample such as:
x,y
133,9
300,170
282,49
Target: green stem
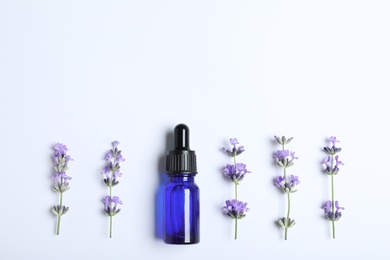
x,y
334,230
333,204
59,216
58,224
110,216
235,229
288,205
236,197
110,226
235,190
288,216
235,182
288,202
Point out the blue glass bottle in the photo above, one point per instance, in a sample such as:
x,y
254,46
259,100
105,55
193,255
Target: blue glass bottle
x,y
181,195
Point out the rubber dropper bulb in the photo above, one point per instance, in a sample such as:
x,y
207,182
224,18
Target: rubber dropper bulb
x,y
182,137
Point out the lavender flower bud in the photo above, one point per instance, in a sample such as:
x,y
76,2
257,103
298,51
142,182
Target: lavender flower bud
x,y
280,223
332,151
283,140
285,223
292,223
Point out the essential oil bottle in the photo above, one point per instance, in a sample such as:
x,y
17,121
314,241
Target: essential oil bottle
x,y
181,195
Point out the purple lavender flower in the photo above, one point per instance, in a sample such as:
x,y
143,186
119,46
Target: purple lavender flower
x,y
293,157
60,157
337,161
333,140
117,174
294,180
111,210
287,187
61,179
285,158
235,209
115,144
281,154
327,207
234,151
332,150
336,167
234,141
109,156
329,214
106,201
229,170
119,158
111,174
278,181
333,211
61,160
338,208
107,173
116,201
112,170
328,164
236,173
241,171
59,149
338,213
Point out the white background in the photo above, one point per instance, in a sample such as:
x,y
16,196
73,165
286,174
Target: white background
x,y
86,73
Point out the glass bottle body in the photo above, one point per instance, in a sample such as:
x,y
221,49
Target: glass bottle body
x,y
181,209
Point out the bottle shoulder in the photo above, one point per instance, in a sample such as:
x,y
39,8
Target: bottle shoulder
x,y
181,185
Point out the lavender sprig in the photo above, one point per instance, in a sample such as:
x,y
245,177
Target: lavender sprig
x,y
285,158
235,172
60,178
235,209
111,174
332,210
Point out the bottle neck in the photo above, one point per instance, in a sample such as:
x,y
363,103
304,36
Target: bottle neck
x,y
188,177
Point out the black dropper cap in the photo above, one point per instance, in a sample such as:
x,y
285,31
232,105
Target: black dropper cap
x,y
181,159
